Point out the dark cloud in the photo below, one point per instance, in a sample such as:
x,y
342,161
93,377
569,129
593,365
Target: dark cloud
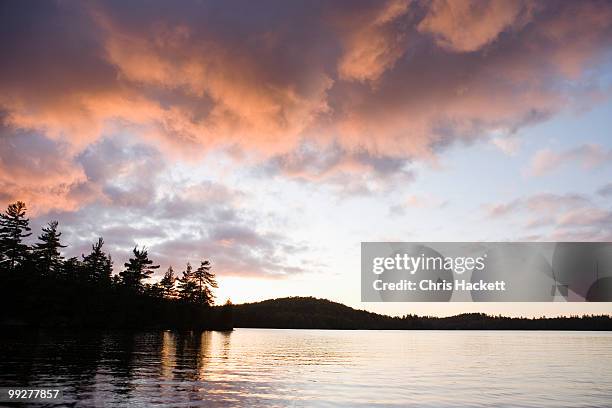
x,y
347,172
394,79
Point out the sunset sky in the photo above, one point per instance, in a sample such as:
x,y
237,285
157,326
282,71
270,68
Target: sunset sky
x,y
274,136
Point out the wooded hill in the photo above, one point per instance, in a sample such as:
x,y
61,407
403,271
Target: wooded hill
x,y
313,313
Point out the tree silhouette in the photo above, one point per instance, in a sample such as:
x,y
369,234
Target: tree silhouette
x,y
204,281
14,226
137,269
47,251
186,285
72,268
167,284
97,266
83,291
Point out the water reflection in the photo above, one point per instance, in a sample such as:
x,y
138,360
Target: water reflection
x,y
310,367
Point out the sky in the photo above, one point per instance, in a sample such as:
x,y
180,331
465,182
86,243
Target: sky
x,y
273,137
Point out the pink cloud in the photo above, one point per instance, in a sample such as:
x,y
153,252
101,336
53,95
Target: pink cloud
x,y
585,217
371,43
414,201
588,156
543,204
388,81
466,26
502,209
560,217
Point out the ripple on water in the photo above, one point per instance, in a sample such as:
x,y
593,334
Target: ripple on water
x,y
251,367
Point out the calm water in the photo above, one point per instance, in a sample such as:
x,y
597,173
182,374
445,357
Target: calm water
x,y
254,367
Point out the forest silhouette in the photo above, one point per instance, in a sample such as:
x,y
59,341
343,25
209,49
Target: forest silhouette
x,y
39,287
313,313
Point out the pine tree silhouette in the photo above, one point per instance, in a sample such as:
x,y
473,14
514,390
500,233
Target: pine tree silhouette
x,y
167,284
137,269
186,285
47,251
73,269
98,266
14,226
204,280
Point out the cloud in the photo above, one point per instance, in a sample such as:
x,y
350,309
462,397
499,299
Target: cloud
x,y
605,190
99,99
366,77
36,170
585,217
542,203
373,41
572,217
466,26
414,201
132,199
588,156
502,209
548,202
539,222
49,177
589,223
508,145
184,223
348,173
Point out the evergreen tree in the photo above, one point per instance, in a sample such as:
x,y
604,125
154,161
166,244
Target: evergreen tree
x,y
14,226
167,283
186,285
204,281
116,280
227,314
47,251
73,268
137,269
98,266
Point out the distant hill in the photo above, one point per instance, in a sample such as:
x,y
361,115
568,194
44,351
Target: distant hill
x,y
313,313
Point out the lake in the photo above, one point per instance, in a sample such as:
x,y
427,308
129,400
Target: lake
x,y
261,367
